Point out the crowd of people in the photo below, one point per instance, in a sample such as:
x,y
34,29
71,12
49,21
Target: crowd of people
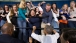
x,y
32,20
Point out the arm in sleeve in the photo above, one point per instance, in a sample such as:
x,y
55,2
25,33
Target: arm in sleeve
x,y
57,35
43,15
58,13
21,12
30,25
8,18
43,6
40,9
50,18
36,37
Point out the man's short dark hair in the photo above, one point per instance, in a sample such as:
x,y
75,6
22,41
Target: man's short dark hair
x,y
70,36
48,4
49,29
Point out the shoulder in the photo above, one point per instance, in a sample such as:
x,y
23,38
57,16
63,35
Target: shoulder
x,y
19,8
14,40
68,7
26,7
1,36
58,9
51,11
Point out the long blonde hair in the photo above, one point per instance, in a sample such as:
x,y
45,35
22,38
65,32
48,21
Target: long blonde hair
x,y
21,5
11,12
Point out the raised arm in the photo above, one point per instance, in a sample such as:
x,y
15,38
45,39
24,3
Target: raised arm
x,y
56,34
35,36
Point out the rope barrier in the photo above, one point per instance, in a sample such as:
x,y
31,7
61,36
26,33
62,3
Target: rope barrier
x,y
31,28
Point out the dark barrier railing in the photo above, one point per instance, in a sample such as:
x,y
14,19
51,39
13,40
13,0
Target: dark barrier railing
x,y
31,28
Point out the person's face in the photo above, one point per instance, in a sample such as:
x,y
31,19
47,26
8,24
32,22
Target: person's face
x,y
32,13
37,9
62,39
23,3
48,8
65,7
6,8
54,5
15,8
72,4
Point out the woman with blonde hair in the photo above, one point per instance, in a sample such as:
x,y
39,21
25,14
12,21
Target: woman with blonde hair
x,y
72,12
12,15
22,20
64,16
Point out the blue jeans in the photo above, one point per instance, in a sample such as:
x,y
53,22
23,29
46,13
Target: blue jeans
x,y
55,24
22,29
2,22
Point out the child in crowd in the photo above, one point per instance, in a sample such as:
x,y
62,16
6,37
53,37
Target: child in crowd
x,y
50,36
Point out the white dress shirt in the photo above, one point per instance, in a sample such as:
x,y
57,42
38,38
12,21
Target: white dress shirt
x,y
46,39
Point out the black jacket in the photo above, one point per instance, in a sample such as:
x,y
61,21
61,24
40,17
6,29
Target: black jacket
x,y
8,39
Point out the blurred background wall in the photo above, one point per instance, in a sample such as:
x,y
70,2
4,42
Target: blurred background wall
x,y
35,2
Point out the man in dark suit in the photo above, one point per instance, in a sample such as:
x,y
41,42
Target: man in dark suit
x,y
7,30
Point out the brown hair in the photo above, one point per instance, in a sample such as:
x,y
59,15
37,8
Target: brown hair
x,y
7,28
11,11
48,4
71,7
49,29
63,6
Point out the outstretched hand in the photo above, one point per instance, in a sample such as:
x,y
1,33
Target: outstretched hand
x,y
27,19
34,28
